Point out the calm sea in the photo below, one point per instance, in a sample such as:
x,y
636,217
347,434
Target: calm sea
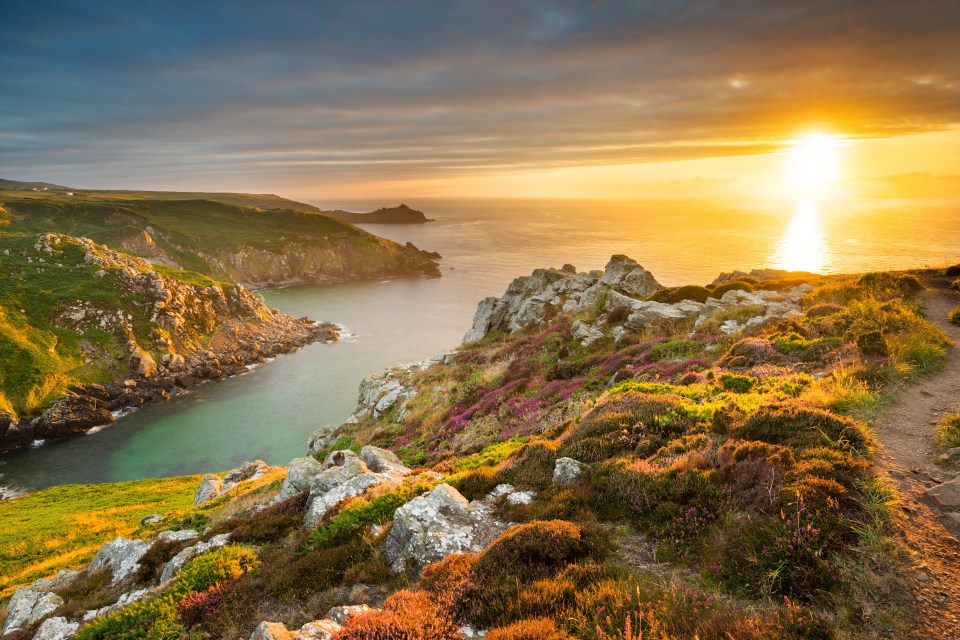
x,y
270,412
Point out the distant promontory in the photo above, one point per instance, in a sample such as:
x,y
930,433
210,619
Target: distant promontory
x,y
401,214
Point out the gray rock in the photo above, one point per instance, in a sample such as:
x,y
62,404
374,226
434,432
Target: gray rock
x,y
153,518
482,320
177,536
58,628
63,578
520,497
340,615
300,473
339,457
627,276
382,460
950,455
321,503
247,471
567,471
586,334
122,601
946,496
210,487
28,605
121,556
435,525
317,630
322,438
178,561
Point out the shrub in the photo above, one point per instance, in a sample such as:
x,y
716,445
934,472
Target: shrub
x,y
954,316
736,285
948,432
450,580
618,315
200,605
529,551
737,384
357,515
153,561
313,571
751,352
823,309
872,344
672,295
955,284
538,629
476,483
675,349
532,467
952,271
406,615
793,425
272,523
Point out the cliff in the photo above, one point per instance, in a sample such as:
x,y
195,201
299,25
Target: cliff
x,y
86,330
255,247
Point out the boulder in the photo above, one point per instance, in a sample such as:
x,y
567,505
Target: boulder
x,y
322,438
121,556
58,628
520,497
382,460
27,606
340,615
210,487
247,471
143,364
317,630
567,471
946,496
586,334
300,473
177,536
271,631
627,276
122,601
321,501
175,564
339,457
482,320
438,524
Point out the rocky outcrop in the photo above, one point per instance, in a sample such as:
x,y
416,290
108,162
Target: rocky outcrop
x,y
401,214
323,629
125,599
212,486
27,606
531,300
121,557
58,628
300,473
436,525
347,475
388,393
946,496
616,298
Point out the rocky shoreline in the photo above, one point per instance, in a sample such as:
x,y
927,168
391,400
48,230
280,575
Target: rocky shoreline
x,y
90,406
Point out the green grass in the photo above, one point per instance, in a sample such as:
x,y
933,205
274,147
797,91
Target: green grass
x,y
948,432
62,527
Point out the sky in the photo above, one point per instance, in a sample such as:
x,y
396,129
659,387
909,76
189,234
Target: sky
x,y
518,98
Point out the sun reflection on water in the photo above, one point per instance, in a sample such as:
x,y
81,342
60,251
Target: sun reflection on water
x,y
802,247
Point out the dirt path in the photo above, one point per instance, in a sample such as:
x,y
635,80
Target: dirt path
x,y
905,431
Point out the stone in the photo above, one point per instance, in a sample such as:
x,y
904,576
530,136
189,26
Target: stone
x,y
247,471
121,557
340,615
382,460
567,471
177,536
317,630
435,525
481,320
946,496
950,455
58,628
271,631
28,605
122,601
520,497
322,438
586,334
627,276
321,503
300,473
210,487
175,564
153,518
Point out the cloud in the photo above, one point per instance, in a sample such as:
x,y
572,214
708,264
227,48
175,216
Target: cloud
x,y
112,92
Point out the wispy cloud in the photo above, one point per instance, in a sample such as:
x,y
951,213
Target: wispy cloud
x,y
112,92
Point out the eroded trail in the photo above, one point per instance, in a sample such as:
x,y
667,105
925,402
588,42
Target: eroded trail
x,y
905,431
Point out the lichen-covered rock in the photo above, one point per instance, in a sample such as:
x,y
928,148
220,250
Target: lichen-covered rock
x,y
627,276
247,471
322,438
324,497
300,473
271,631
178,561
125,599
567,471
382,460
121,556
58,628
586,334
317,630
210,487
438,524
177,536
340,615
28,605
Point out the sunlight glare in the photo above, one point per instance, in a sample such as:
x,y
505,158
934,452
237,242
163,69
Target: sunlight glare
x,y
814,162
802,247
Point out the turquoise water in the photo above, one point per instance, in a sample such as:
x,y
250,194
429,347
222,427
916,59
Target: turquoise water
x,y
270,412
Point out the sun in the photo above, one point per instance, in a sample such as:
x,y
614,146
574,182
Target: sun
x,y
814,162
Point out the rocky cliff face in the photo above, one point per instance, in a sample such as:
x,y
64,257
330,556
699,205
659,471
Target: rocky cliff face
x,y
145,333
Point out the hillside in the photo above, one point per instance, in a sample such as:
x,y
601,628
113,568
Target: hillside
x,y
401,214
234,239
17,185
86,330
604,458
